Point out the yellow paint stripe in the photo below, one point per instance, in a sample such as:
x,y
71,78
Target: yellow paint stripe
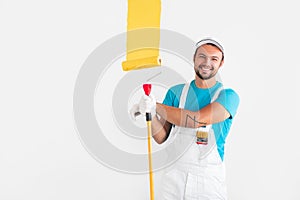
x,y
143,34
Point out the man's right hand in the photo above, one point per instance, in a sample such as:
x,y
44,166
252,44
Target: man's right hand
x,y
147,104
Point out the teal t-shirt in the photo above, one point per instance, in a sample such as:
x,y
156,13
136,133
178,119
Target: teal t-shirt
x,y
198,98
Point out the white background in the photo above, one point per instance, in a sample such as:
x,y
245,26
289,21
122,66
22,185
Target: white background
x,y
43,45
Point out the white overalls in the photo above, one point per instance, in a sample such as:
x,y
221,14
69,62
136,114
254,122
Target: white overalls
x,y
199,173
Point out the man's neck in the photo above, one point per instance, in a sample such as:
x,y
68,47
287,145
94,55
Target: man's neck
x,y
205,83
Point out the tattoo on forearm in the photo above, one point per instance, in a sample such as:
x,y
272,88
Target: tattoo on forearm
x,y
196,123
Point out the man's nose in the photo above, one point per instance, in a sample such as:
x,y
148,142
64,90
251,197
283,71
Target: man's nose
x,y
207,62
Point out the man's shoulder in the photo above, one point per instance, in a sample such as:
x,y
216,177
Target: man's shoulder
x,y
230,95
230,92
173,95
177,88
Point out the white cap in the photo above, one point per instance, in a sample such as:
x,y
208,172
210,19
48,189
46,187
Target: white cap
x,y
210,41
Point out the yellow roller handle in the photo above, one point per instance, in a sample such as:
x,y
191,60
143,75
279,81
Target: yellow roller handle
x,y
150,160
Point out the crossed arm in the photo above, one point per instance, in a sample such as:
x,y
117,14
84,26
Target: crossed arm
x,y
210,114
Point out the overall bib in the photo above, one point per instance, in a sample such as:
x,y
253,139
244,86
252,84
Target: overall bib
x,y
199,174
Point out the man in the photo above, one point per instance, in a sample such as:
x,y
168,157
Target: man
x,y
201,109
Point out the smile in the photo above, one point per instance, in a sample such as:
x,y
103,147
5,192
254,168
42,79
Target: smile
x,y
205,69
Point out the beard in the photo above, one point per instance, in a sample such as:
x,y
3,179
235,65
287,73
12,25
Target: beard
x,y
205,76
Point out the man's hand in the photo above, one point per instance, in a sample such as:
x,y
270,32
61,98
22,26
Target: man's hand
x,y
147,104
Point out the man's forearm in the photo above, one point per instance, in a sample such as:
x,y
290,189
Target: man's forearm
x,y
210,114
180,117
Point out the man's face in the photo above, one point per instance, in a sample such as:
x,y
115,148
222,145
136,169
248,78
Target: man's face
x,y
207,61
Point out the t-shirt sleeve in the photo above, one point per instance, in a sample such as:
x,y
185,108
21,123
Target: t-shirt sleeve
x,y
169,98
230,100
173,95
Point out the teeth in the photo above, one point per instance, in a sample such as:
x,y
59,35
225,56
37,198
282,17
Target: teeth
x,y
205,68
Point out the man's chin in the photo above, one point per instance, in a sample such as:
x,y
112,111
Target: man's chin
x,y
203,77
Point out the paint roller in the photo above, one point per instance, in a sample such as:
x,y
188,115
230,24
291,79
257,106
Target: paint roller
x,y
142,51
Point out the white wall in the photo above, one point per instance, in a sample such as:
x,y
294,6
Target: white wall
x,y
43,45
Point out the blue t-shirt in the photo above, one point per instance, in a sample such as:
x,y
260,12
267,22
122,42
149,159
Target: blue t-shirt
x,y
197,98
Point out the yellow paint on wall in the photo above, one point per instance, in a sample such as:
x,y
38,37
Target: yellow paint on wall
x,y
143,34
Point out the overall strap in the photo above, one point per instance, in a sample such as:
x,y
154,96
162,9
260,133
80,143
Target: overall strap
x,y
184,95
216,95
214,98
182,103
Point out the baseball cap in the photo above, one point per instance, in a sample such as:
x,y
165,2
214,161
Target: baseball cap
x,y
210,41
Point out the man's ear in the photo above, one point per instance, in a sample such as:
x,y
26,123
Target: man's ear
x,y
221,64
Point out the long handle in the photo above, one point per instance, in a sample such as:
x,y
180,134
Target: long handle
x,y
147,90
150,158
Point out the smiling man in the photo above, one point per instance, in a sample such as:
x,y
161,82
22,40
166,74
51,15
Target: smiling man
x,y
203,111
207,60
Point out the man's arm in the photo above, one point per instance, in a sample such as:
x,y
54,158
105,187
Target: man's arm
x,y
160,129
210,114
